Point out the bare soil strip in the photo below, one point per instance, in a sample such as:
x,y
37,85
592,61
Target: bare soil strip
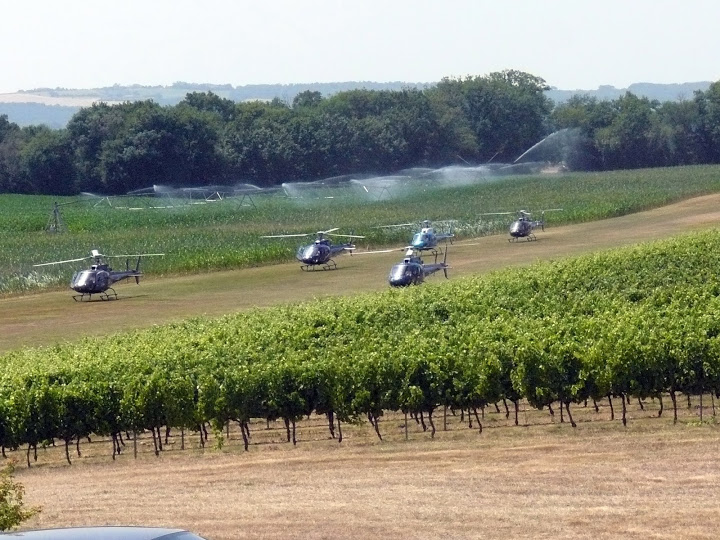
x,y
47,318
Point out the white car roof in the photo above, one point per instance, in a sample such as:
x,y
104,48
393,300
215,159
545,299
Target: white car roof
x,y
105,533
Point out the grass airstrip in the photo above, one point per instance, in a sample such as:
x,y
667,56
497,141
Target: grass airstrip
x,y
541,479
46,318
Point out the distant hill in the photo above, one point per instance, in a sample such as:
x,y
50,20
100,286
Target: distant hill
x,y
55,106
661,92
33,114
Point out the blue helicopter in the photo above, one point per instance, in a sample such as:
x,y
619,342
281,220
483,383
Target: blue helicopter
x,y
413,271
319,254
426,239
524,225
99,278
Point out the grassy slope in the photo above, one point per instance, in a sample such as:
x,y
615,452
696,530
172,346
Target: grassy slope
x,y
43,319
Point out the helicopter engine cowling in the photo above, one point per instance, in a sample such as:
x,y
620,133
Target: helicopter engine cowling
x,y
102,280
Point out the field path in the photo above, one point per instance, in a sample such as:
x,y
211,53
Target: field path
x,y
51,317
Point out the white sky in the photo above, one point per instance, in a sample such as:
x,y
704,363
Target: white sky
x,y
572,44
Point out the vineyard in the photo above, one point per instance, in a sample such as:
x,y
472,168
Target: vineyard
x,y
225,234
638,323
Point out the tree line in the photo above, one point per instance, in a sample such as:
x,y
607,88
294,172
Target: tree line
x,y
206,139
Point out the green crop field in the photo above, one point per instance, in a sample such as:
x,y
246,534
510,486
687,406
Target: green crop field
x,y
633,331
225,234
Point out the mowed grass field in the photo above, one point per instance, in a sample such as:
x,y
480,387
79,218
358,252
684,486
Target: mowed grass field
x,y
542,479
50,317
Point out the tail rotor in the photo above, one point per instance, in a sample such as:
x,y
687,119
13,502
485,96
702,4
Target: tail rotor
x,y
137,271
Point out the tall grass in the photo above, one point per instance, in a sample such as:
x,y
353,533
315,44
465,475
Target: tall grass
x,y
224,234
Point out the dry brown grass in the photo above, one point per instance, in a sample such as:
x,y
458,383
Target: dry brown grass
x,y
652,479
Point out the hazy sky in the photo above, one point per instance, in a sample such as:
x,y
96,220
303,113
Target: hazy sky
x,y
572,44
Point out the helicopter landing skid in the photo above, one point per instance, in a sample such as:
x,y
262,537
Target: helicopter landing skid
x,y
329,265
108,294
529,238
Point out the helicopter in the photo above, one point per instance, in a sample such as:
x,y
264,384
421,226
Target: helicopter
x,y
99,278
319,254
413,271
524,225
426,239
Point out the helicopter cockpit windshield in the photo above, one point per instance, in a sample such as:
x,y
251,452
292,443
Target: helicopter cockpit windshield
x,y
85,278
404,274
420,239
310,252
516,227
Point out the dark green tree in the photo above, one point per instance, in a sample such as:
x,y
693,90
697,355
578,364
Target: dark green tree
x,y
308,98
10,142
223,108
708,104
507,111
47,163
625,142
89,130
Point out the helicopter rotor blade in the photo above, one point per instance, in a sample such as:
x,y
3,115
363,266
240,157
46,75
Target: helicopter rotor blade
x,y
345,235
497,213
62,262
286,235
137,255
395,226
379,251
328,231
